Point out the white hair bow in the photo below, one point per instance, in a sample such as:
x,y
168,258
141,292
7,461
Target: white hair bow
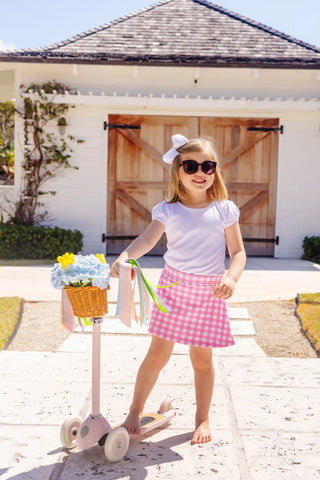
x,y
178,140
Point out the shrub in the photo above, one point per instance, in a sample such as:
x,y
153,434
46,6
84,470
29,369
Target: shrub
x,y
31,242
311,249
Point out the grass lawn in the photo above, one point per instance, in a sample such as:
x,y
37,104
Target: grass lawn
x,y
25,262
309,312
9,314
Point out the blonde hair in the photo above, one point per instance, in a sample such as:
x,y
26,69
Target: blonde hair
x,y
176,191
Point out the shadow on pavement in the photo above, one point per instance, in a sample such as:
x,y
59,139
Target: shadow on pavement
x,y
91,463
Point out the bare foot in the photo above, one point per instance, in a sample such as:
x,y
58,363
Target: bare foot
x,y
202,433
132,424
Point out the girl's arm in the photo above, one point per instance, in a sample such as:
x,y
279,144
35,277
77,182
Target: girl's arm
x,y
225,288
141,245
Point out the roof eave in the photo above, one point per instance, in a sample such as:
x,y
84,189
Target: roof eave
x,y
170,60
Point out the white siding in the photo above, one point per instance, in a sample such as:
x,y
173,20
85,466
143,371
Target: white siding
x,y
6,199
298,205
80,201
6,84
81,196
217,82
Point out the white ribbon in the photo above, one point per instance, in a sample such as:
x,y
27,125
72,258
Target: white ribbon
x,y
178,140
125,300
125,304
66,313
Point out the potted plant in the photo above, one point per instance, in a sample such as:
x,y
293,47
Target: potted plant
x,y
85,279
62,123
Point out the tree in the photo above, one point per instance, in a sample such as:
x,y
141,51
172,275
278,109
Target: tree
x,y
44,152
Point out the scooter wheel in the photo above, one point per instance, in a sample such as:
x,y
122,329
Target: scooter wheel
x,y
165,406
68,431
117,444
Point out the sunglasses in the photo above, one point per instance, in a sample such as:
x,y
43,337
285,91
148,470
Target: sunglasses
x,y
191,166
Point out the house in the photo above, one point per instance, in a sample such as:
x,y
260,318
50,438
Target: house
x,y
189,67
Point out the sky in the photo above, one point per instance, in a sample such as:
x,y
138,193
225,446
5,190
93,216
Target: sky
x,y
40,23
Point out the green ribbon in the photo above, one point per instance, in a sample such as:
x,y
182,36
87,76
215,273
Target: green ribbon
x,y
160,303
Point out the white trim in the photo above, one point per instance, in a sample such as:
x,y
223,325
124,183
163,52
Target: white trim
x,y
136,101
104,158
281,149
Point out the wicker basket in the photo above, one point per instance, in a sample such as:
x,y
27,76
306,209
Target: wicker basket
x,y
88,302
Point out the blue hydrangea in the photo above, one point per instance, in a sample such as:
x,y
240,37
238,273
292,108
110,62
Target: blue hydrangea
x,y
85,271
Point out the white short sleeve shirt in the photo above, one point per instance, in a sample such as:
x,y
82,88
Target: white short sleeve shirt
x,y
195,236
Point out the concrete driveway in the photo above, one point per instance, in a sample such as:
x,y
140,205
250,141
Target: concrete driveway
x,y
264,415
263,279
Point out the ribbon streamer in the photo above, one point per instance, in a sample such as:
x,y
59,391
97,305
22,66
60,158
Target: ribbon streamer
x,y
125,304
67,316
66,313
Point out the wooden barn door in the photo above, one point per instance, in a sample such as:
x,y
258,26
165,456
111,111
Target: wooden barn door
x,y
138,178
248,150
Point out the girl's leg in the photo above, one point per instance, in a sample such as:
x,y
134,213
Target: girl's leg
x,y
201,359
158,355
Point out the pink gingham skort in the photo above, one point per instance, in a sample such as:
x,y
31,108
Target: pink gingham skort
x,y
196,318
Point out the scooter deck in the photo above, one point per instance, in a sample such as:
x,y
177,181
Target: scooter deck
x,y
149,419
152,420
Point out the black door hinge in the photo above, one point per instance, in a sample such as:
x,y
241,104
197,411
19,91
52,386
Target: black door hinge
x,y
120,125
263,240
266,129
105,237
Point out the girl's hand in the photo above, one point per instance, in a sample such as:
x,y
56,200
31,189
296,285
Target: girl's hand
x,y
115,267
224,289
114,270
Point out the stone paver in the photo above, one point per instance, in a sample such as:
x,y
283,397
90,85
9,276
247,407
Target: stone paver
x,y
264,415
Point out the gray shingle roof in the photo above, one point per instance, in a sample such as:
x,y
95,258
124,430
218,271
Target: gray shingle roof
x,y
179,32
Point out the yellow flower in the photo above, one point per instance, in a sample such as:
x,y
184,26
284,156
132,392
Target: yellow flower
x,y
101,257
66,259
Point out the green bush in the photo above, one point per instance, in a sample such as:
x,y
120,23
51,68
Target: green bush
x,y
311,249
21,241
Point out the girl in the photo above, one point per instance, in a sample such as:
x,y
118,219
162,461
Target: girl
x,y
199,221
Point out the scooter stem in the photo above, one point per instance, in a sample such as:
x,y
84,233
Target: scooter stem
x,y
96,347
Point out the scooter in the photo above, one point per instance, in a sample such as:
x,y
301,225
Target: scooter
x,y
95,429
